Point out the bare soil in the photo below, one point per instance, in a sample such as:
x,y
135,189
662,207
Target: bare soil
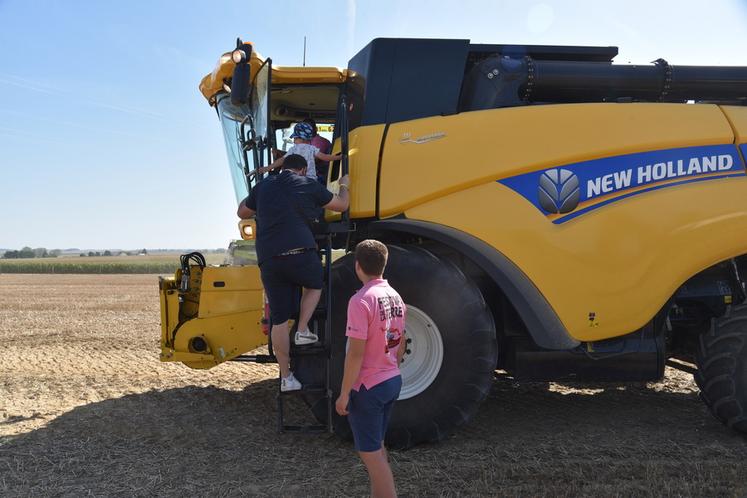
x,y
86,408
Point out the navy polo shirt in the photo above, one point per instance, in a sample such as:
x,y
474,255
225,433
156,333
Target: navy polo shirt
x,y
286,204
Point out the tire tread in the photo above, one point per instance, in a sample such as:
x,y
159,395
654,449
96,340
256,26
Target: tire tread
x,y
721,352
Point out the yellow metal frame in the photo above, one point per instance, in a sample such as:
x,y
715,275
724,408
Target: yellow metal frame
x,y
228,319
212,84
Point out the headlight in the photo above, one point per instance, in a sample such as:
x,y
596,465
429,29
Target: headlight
x,y
238,56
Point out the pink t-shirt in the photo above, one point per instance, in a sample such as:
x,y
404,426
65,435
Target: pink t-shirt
x,y
321,143
376,314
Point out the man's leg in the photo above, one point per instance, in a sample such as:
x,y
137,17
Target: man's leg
x,y
281,347
380,473
310,276
309,301
368,417
280,295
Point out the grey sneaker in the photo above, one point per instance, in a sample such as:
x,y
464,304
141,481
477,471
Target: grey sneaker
x,y
289,383
305,337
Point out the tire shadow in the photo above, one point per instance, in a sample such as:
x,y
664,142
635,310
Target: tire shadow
x,y
527,440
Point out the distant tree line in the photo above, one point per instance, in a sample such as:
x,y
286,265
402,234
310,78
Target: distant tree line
x,y
42,252
91,254
27,252
97,253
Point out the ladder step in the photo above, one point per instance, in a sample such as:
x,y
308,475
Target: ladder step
x,y
323,328
308,390
256,358
305,429
308,351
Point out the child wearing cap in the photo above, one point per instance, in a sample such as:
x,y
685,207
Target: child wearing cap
x,y
302,135
371,380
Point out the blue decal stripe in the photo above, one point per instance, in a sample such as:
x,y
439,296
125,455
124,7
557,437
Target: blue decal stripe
x,y
631,194
608,179
587,205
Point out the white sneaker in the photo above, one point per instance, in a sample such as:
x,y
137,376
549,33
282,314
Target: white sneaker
x,y
305,337
289,383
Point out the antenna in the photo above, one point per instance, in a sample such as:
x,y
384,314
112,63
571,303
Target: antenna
x,y
304,51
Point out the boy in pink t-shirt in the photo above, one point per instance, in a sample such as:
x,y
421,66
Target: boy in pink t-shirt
x,y
371,381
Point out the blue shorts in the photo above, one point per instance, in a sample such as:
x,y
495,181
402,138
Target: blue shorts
x,y
283,277
369,411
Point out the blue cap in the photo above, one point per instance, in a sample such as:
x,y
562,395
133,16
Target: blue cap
x,y
303,131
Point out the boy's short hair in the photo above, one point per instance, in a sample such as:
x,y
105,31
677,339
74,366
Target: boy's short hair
x,y
295,162
371,255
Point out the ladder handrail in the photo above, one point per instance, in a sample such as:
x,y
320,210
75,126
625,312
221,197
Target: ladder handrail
x,y
344,146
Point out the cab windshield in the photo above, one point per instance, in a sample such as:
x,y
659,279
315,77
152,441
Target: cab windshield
x,y
246,133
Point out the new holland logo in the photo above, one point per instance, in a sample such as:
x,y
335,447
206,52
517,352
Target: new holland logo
x,y
558,191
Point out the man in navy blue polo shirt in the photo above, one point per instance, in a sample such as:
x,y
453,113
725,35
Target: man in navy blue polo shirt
x,y
285,205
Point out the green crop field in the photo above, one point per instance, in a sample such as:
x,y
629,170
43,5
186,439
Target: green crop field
x,y
153,263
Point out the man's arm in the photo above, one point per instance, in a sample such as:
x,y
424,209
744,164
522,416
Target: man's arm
x,y
402,348
244,212
248,207
353,363
341,201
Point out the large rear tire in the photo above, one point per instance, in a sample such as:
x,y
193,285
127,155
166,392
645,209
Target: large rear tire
x,y
722,368
452,350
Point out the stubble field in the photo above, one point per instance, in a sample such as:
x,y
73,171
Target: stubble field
x,y
87,409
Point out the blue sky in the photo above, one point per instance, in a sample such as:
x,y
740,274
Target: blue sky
x,y
105,141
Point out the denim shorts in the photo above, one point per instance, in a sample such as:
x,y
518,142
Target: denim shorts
x,y
369,411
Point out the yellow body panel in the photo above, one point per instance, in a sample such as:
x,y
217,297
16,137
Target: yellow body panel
x,y
622,261
738,119
476,147
364,144
229,316
230,288
307,75
227,337
212,83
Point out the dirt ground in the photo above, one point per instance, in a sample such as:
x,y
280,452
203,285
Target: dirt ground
x,y
87,409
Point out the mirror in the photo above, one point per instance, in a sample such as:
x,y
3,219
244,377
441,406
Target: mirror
x,y
241,86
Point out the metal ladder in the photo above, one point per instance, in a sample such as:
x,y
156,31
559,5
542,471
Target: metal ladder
x,y
321,351
323,233
322,324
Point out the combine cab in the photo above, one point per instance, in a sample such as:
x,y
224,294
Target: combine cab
x,y
548,213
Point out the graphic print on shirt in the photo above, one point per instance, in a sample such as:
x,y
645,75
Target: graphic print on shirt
x,y
390,307
393,338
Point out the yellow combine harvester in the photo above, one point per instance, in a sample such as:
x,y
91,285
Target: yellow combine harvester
x,y
548,213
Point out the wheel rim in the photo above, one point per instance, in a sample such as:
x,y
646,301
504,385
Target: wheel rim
x,y
423,354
